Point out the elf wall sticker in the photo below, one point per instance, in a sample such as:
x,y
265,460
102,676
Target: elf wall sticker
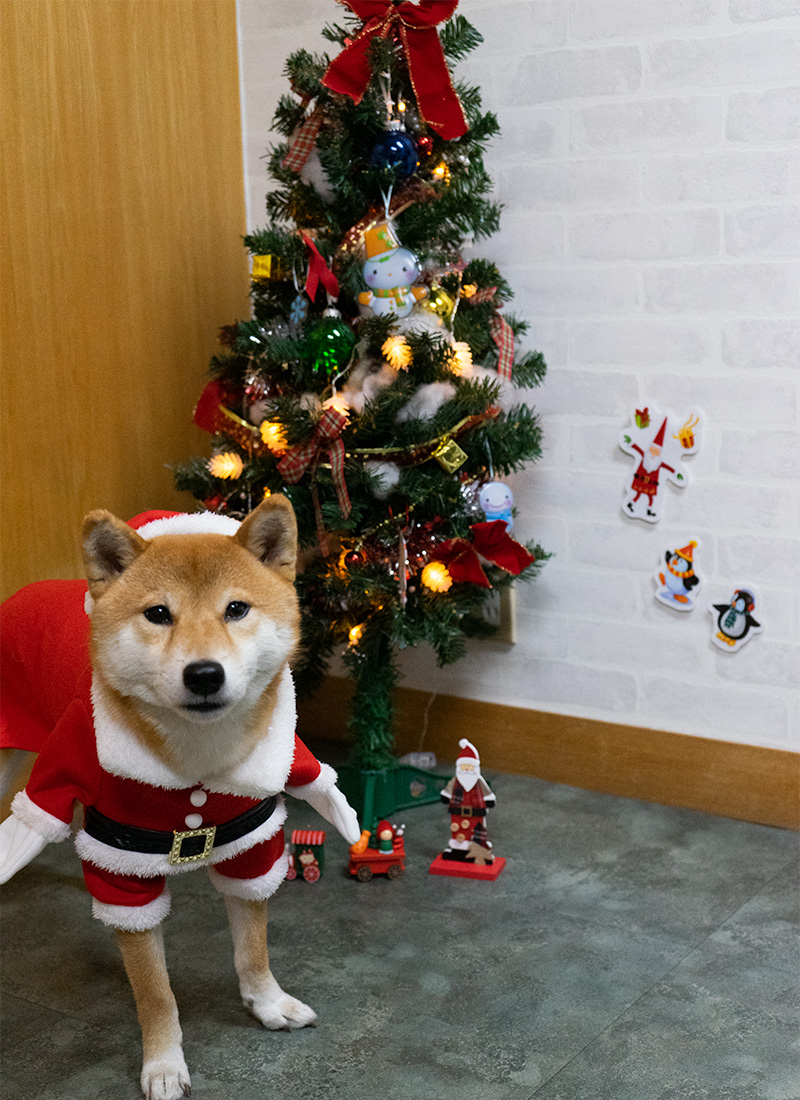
x,y
658,442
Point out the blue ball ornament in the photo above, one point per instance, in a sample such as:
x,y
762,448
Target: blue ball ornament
x,y
396,151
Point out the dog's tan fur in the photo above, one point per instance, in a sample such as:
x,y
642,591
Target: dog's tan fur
x,y
138,666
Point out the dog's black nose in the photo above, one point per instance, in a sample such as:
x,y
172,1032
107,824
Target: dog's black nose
x,y
204,677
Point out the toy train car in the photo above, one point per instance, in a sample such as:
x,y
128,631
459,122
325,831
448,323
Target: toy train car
x,y
306,854
366,862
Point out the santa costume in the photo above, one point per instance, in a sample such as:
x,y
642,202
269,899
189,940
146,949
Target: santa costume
x,y
143,821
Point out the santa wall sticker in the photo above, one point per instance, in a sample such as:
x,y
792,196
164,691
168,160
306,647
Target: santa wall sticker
x,y
659,442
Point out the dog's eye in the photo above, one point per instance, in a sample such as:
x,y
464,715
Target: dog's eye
x,y
236,609
160,615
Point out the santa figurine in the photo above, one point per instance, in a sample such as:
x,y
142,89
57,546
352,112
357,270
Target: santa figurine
x,y
468,797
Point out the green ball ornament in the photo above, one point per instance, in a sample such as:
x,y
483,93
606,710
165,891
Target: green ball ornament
x,y
330,343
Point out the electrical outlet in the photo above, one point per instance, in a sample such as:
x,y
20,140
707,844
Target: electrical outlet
x,y
500,611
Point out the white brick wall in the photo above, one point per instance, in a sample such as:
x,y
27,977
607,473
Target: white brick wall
x,y
650,171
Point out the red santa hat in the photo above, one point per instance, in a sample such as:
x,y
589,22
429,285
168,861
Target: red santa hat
x,y
659,439
382,827
153,523
468,751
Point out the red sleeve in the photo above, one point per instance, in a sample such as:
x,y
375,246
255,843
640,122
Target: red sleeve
x,y
44,660
305,766
67,769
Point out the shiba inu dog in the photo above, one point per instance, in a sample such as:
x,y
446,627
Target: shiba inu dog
x,y
159,696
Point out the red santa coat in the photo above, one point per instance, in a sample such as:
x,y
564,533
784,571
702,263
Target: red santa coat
x,y
467,809
50,705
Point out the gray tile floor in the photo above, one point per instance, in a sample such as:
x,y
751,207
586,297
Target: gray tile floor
x,y
627,952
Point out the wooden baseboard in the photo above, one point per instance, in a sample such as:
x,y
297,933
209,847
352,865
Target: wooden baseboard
x,y
720,777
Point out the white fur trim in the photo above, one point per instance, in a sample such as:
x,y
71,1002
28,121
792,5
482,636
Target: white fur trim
x,y
133,918
120,751
190,523
325,781
47,825
149,866
261,774
265,770
252,889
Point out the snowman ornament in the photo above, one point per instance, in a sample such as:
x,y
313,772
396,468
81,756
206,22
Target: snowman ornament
x,y
497,502
390,272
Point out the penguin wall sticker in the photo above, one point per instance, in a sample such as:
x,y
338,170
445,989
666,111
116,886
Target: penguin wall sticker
x,y
734,622
659,442
677,582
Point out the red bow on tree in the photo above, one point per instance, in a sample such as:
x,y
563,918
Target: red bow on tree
x,y
319,272
490,540
350,72
327,437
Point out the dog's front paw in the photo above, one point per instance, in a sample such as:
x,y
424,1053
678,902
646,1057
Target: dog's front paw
x,y
166,1078
280,1012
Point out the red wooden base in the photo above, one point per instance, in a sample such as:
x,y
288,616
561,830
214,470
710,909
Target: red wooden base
x,y
454,868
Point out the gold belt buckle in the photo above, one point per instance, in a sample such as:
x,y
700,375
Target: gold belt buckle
x,y
466,811
175,856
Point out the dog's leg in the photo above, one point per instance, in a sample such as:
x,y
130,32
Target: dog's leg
x,y
164,1072
261,994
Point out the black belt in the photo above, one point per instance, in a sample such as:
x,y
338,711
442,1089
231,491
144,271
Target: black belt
x,y
466,811
181,847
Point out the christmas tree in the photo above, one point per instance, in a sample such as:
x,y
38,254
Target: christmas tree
x,y
377,382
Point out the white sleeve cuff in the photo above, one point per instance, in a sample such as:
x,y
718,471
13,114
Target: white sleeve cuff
x,y
325,781
53,829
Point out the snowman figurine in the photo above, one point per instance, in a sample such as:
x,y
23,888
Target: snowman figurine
x,y
497,500
389,272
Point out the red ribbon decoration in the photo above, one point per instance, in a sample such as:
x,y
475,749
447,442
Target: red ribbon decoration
x,y
490,540
319,272
350,72
327,437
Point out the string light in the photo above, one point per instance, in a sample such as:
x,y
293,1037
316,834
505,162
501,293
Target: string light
x,y
469,289
397,352
460,358
436,577
274,436
227,465
441,172
339,402
355,633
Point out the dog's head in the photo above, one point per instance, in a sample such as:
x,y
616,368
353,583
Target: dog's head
x,y
197,625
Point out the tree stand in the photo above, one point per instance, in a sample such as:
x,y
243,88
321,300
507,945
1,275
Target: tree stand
x,y
375,784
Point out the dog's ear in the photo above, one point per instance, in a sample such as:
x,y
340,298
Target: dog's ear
x,y
270,532
109,547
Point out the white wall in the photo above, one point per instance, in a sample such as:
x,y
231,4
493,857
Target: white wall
x,y
650,169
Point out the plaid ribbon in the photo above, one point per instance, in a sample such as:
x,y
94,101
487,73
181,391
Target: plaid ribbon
x,y
304,140
503,336
484,295
327,437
